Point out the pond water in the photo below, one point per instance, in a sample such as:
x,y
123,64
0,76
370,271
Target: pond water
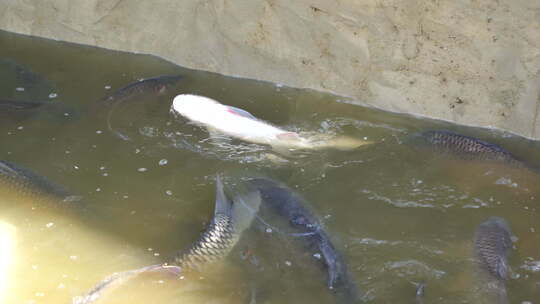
x,y
398,215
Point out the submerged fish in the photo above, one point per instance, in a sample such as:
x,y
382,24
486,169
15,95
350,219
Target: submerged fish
x,y
241,124
18,183
492,245
292,207
230,219
466,147
20,82
19,109
155,85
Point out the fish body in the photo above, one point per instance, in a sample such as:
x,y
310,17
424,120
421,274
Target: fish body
x,y
465,147
20,109
7,106
240,124
21,82
157,85
291,206
492,246
19,183
229,221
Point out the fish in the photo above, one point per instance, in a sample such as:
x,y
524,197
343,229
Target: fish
x,y
157,85
21,82
240,124
492,244
465,147
292,207
20,109
18,183
231,218
229,221
7,106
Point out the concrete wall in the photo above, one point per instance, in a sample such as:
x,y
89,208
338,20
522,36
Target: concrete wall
x,y
473,62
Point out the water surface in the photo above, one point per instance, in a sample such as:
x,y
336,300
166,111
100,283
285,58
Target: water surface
x,y
398,215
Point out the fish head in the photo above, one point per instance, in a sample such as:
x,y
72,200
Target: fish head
x,y
166,82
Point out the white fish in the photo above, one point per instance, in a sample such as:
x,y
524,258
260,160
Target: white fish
x,y
240,124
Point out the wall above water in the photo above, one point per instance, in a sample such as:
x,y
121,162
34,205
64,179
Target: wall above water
x,y
471,62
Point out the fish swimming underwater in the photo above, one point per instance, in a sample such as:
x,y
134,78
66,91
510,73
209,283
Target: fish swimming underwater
x,y
155,85
230,219
241,124
465,147
292,207
21,184
21,82
20,110
492,245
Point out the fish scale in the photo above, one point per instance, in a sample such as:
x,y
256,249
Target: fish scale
x,y
492,244
213,245
470,148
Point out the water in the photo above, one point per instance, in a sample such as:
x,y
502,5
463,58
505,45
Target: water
x,y
398,215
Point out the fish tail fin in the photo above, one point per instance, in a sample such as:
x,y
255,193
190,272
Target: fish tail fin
x,y
223,205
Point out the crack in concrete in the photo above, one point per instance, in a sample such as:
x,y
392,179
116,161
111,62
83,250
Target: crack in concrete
x,y
108,12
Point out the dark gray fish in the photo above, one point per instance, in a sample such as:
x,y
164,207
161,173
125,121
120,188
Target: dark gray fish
x,y
292,207
18,183
14,75
492,245
465,147
155,85
20,110
8,106
230,219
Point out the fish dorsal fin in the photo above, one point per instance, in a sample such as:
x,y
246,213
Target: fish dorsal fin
x,y
244,210
223,205
240,112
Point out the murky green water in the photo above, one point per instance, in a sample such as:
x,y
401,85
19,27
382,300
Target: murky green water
x,y
397,214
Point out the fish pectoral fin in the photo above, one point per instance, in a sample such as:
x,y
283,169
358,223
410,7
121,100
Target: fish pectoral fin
x,y
502,268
